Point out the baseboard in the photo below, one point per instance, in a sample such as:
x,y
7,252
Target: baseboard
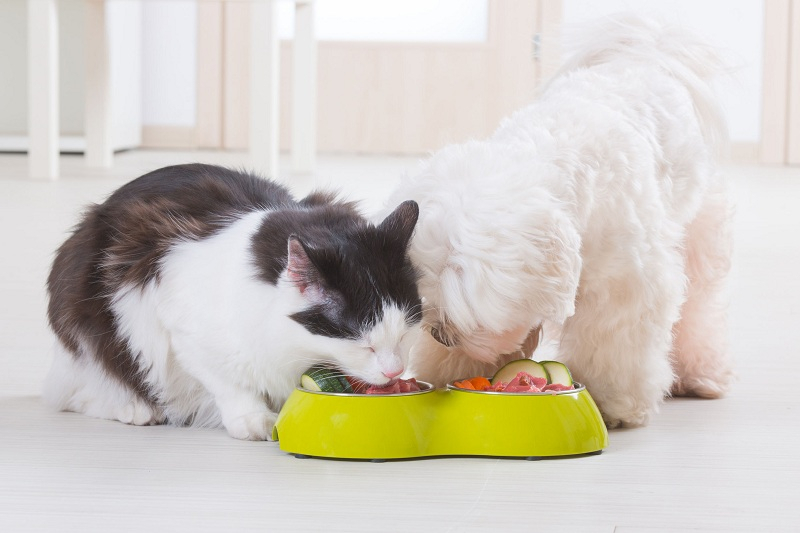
x,y
745,152
169,137
67,144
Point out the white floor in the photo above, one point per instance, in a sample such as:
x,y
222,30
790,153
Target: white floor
x,y
725,465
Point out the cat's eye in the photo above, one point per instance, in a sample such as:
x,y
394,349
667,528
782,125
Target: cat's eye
x,y
440,338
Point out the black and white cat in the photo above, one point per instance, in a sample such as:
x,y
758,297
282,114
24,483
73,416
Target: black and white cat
x,y
198,295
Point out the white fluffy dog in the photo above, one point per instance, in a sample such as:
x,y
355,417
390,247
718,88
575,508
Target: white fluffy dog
x,y
597,211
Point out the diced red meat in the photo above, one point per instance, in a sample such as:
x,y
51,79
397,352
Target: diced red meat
x,y
521,380
524,382
393,388
539,382
556,387
527,380
521,388
497,387
396,387
408,385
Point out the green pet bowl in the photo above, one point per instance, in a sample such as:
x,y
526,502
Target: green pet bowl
x,y
440,422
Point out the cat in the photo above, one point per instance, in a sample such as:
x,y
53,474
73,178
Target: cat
x,y
198,295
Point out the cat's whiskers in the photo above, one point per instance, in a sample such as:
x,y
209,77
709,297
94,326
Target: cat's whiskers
x,y
310,361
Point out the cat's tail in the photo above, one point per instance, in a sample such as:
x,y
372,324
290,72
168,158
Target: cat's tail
x,y
328,198
638,39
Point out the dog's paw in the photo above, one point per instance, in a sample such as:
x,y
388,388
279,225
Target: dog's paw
x,y
627,413
252,426
702,387
629,420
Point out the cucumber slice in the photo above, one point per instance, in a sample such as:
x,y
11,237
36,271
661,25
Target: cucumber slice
x,y
318,378
308,383
559,373
510,370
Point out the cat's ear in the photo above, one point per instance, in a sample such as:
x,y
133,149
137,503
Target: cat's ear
x,y
400,223
301,270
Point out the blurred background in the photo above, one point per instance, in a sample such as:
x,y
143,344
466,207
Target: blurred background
x,y
392,77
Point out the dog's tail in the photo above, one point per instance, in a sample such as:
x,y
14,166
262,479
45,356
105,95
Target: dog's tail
x,y
689,60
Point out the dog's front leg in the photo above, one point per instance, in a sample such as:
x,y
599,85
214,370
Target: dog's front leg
x,y
619,340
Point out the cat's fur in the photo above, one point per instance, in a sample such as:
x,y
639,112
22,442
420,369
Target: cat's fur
x,y
198,295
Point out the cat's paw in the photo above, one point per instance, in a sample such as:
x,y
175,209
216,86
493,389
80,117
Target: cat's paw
x,y
252,426
138,413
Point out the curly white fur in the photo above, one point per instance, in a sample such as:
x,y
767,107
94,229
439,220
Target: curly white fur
x,y
597,209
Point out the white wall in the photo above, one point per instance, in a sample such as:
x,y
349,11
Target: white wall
x,y
124,28
736,27
13,72
14,67
124,20
169,62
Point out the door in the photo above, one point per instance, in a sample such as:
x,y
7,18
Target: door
x,y
382,97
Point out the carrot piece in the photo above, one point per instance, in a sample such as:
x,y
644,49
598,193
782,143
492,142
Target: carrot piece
x,y
480,383
465,384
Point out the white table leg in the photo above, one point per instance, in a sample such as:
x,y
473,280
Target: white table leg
x,y
304,89
43,89
97,108
264,86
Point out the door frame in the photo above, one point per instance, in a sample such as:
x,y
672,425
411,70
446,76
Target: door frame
x,y
780,115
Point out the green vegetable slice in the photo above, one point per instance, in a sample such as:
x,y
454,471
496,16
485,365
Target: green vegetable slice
x,y
558,372
324,379
510,370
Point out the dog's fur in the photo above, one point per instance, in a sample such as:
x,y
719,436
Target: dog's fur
x,y
597,211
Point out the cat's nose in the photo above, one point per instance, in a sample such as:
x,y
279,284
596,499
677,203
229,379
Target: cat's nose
x,y
393,373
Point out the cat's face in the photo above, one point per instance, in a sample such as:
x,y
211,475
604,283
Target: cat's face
x,y
380,353
362,290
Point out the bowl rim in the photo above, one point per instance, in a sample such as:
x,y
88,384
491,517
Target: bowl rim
x,y
578,388
425,388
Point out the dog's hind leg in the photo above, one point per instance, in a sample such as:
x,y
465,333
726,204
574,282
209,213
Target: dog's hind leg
x,y
700,355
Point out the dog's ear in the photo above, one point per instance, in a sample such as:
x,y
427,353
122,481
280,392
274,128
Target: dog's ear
x,y
559,270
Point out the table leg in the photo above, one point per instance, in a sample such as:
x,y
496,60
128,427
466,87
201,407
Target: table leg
x,y
264,87
97,109
43,131
304,89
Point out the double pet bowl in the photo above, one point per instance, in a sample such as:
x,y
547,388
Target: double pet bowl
x,y
440,422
